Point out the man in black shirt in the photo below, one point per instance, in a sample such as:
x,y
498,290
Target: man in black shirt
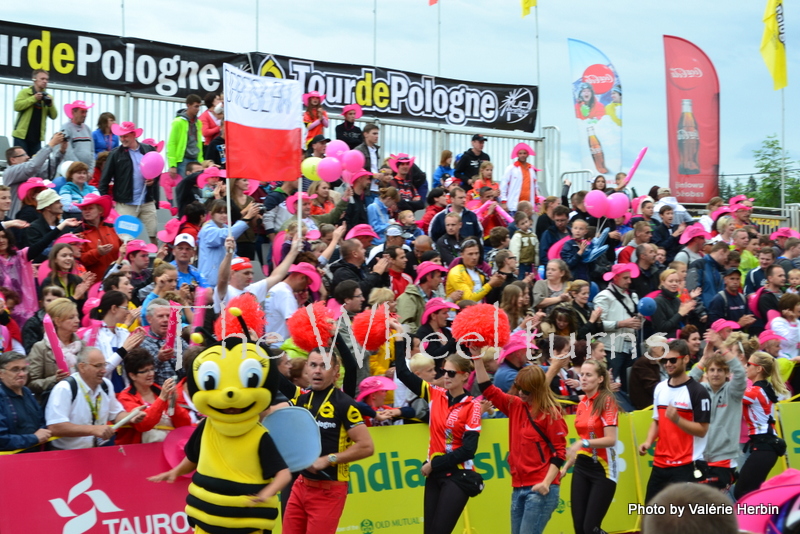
x,y
348,131
470,161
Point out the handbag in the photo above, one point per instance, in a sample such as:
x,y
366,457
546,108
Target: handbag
x,y
470,482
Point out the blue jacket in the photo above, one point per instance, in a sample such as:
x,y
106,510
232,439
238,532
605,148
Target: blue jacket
x,y
378,215
550,237
579,270
470,225
10,440
727,306
755,279
211,247
712,279
440,171
101,142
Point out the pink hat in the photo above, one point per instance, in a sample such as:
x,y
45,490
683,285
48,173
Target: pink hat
x,y
778,491
784,232
240,264
174,446
351,178
394,160
78,104
313,235
126,128
737,207
311,94
152,142
30,183
619,268
373,384
522,146
637,202
170,231
739,198
769,335
137,245
435,305
695,230
724,210
518,341
311,273
291,202
72,239
450,181
428,267
211,172
720,324
104,201
353,107
361,230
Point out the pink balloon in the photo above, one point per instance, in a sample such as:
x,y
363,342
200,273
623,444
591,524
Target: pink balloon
x,y
152,165
336,148
353,160
329,169
618,205
596,203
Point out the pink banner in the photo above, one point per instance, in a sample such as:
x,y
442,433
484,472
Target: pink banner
x,y
93,491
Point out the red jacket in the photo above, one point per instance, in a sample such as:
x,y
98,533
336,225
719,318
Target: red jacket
x,y
130,399
90,257
430,211
210,127
529,457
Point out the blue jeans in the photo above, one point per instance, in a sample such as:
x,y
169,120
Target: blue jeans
x,y
530,511
524,269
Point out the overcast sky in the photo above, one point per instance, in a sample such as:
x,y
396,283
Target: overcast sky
x,y
488,41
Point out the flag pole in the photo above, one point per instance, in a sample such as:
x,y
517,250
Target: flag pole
x,y
374,33
783,151
538,75
439,39
257,1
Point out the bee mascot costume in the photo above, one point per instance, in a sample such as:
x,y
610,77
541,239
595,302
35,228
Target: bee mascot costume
x,y
239,469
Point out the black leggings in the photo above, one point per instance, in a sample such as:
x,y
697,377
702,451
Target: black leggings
x,y
591,495
444,502
754,472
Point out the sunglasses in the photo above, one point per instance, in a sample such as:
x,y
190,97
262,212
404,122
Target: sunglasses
x,y
751,364
672,361
451,373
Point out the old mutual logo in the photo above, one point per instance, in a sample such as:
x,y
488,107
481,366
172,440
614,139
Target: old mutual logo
x,y
82,523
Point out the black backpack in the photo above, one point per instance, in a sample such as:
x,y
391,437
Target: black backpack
x,y
73,387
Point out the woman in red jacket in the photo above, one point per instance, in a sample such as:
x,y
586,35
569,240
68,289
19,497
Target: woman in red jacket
x,y
141,369
103,244
211,120
537,436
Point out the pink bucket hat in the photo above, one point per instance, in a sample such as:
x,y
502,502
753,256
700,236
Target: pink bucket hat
x,y
78,104
152,142
720,324
522,146
312,94
373,384
361,230
126,128
619,268
695,230
435,305
518,341
769,335
427,267
291,202
104,201
72,239
137,245
353,107
311,273
784,232
30,183
394,160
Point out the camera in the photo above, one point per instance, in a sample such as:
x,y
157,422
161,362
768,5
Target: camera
x,y
47,100
64,132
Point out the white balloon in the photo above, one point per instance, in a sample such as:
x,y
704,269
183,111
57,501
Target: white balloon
x,y
64,167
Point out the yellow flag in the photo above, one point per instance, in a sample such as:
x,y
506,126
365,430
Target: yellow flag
x,y
773,43
526,6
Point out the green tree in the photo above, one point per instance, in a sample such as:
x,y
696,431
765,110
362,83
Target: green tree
x,y
768,163
752,186
724,187
737,188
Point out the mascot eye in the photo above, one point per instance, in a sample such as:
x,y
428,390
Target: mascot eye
x,y
208,376
251,373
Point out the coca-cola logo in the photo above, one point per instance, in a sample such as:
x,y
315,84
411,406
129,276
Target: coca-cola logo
x,y
600,77
687,135
677,72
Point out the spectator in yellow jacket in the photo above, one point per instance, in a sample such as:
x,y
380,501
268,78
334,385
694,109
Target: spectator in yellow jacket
x,y
467,278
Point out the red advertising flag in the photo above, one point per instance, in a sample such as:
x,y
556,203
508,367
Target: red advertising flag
x,y
692,121
263,126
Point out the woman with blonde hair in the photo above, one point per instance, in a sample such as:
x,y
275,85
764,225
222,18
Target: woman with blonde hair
x,y
485,179
537,445
588,317
552,291
671,313
326,198
512,302
759,411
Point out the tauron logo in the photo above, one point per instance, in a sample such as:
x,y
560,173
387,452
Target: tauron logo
x,y
82,523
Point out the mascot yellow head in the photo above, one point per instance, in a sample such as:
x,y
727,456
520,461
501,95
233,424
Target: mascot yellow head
x,y
233,382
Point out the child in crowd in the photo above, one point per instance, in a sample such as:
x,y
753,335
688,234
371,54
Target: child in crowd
x,y
409,223
498,240
794,281
524,244
576,249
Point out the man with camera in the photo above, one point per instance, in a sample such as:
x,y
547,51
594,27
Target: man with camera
x,y
34,106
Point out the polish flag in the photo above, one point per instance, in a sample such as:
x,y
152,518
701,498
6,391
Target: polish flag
x,y
263,126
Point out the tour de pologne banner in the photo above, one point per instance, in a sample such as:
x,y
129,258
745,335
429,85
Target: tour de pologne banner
x,y
152,68
597,99
692,121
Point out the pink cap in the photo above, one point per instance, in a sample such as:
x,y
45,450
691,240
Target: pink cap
x,y
353,107
784,232
518,341
619,268
435,305
428,267
137,245
373,384
769,335
72,239
522,146
361,230
695,230
126,128
307,269
291,202
720,324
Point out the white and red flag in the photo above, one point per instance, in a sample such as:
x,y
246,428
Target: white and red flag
x,y
263,126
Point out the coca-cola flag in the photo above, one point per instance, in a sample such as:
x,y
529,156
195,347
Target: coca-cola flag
x,y
263,126
692,121
597,99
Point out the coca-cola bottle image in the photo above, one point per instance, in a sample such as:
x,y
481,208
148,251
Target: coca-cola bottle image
x,y
597,151
688,141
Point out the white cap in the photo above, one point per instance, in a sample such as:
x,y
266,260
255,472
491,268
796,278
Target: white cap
x,y
184,238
